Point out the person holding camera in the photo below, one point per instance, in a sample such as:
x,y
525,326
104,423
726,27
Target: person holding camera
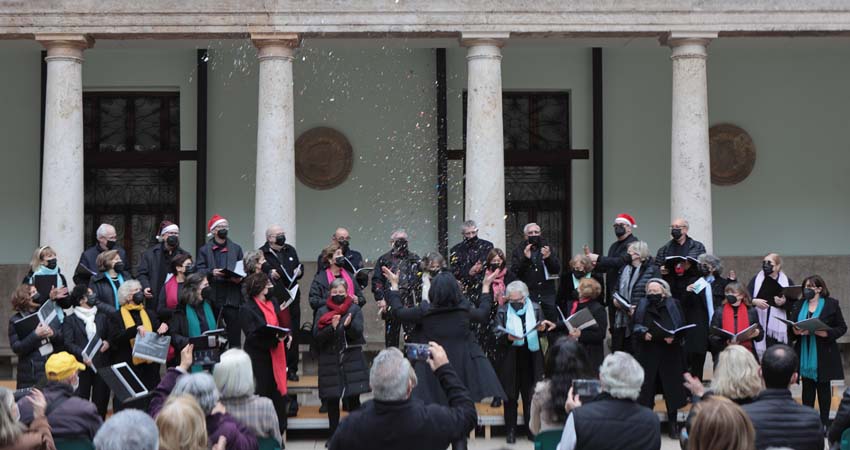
x,y
393,420
534,263
338,336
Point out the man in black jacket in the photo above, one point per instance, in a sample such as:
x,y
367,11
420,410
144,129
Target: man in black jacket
x,y
156,262
467,260
407,264
531,262
613,420
353,259
395,421
107,239
680,245
779,420
214,257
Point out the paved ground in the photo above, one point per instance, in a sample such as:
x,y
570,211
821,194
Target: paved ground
x,y
496,443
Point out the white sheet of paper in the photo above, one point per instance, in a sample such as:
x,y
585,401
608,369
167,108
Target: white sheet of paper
x,y
240,268
699,285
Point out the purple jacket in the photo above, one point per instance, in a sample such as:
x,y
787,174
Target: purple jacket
x,y
238,436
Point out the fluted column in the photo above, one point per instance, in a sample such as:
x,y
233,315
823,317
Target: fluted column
x,y
275,190
485,159
690,171
62,190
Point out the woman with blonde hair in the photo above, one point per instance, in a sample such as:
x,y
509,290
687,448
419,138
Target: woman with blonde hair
x,y
720,424
182,425
736,377
45,264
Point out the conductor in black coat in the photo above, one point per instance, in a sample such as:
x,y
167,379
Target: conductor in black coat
x,y
531,261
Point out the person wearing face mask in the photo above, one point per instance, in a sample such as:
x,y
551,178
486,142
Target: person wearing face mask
x,y
467,260
89,321
766,291
662,356
733,315
681,274
531,261
156,261
588,296
44,266
338,335
107,239
267,350
217,254
711,270
580,268
820,359
496,267
110,276
353,260
181,268
633,279
408,266
680,245
69,416
34,348
193,315
131,319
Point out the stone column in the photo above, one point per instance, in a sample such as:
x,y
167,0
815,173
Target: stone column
x,y
690,171
485,158
62,223
275,191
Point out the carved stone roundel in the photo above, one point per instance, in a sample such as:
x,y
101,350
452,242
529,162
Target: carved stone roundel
x,y
323,158
733,154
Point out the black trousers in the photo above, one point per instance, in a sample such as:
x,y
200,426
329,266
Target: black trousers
x,y
619,341
823,389
351,403
696,364
280,402
94,389
547,306
393,327
524,386
292,353
230,315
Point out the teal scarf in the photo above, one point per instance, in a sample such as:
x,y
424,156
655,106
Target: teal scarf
x,y
516,327
114,287
576,281
195,324
808,345
43,270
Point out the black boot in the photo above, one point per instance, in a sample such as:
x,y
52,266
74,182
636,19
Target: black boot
x,y
510,437
674,430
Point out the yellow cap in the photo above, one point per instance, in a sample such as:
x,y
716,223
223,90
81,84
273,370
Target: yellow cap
x,y
61,366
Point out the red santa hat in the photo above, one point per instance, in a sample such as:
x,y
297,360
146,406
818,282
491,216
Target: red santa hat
x,y
167,226
626,219
214,221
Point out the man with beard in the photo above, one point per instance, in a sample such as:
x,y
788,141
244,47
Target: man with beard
x,y
467,260
407,264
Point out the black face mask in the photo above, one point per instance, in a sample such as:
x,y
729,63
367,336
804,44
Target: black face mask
x,y
767,267
517,305
809,293
495,267
731,299
222,233
51,263
534,241
111,244
266,267
280,240
36,298
172,241
470,240
344,245
654,299
206,292
400,246
433,272
339,261
118,267
620,230
705,270
676,233
338,299
91,299
64,302
579,274
138,298
190,269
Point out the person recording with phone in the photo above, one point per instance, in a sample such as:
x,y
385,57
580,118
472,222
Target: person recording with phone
x,y
531,262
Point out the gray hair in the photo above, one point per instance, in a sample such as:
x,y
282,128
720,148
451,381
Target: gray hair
x,y
251,260
398,232
529,225
516,286
711,260
233,375
102,229
621,376
337,282
642,249
468,224
125,289
665,288
129,429
391,375
10,427
201,386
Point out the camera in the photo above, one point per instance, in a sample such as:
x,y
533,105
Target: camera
x,y
586,389
417,352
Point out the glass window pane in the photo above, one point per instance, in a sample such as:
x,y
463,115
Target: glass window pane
x,y
113,124
148,124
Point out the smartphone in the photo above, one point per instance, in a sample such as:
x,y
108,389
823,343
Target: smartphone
x,y
417,352
586,389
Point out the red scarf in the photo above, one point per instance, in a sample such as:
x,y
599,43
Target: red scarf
x,y
333,310
498,286
349,284
743,321
278,352
580,301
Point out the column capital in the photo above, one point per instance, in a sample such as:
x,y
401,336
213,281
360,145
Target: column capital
x,y
489,38
64,45
276,45
688,44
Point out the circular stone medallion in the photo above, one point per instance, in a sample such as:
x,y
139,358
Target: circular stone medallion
x,y
733,154
323,158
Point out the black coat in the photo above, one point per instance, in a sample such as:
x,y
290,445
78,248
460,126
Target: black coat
x,y
718,343
409,277
100,285
155,265
410,424
647,271
121,335
88,259
592,338
320,290
530,270
258,345
285,262
609,423
224,291
660,361
30,360
463,257
691,247
342,367
449,327
612,264
695,310
506,353
75,337
781,422
178,327
829,357
568,293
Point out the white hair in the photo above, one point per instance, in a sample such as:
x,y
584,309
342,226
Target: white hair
x,y
468,224
201,387
125,289
529,225
621,376
129,429
516,286
102,230
711,260
233,375
390,376
398,232
641,248
665,288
